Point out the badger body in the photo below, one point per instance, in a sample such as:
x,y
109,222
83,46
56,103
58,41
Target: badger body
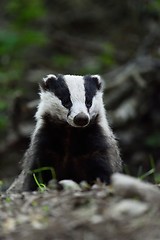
x,y
72,134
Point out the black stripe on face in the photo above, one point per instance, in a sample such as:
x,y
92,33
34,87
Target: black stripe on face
x,y
59,87
91,87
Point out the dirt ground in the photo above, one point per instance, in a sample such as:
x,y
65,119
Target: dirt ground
x,y
126,210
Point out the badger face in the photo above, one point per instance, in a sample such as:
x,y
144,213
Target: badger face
x,y
71,98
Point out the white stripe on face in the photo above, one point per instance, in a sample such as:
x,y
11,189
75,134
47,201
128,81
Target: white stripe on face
x,y
77,90
75,85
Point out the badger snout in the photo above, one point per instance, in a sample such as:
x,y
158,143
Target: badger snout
x,y
81,120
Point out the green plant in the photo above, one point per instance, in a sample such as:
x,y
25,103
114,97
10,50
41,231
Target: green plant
x,y
8,199
154,6
62,61
151,173
19,36
1,184
107,58
41,186
153,140
39,179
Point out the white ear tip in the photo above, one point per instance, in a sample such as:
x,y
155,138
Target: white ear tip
x,y
49,76
97,76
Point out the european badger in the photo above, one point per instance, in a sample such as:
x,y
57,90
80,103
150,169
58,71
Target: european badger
x,y
72,134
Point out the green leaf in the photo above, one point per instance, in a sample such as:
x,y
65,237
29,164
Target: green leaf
x,y
108,55
25,11
62,60
39,180
153,140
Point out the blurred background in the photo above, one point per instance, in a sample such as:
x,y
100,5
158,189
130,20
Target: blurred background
x,y
120,40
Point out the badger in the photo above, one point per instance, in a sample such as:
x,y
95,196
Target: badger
x,y
72,134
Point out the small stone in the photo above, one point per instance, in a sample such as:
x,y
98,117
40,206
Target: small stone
x,y
84,185
52,184
9,225
96,219
69,185
128,208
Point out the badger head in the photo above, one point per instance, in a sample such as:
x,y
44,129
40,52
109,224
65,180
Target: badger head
x,y
74,99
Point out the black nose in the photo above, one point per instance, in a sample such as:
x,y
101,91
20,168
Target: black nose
x,y
81,119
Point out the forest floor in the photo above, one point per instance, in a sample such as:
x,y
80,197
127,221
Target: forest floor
x,y
128,209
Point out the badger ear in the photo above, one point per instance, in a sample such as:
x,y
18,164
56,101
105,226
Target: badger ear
x,y
98,81
48,82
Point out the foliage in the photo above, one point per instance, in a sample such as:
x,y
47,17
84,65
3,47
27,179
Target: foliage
x,y
151,175
107,57
18,35
154,6
37,175
62,61
153,140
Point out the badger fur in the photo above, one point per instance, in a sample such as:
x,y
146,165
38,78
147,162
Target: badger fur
x,y
72,134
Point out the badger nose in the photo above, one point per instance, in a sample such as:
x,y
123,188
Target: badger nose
x,y
81,119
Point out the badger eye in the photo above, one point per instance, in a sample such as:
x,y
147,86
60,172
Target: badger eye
x,y
88,103
67,104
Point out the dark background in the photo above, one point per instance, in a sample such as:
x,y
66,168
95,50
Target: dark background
x,y
120,40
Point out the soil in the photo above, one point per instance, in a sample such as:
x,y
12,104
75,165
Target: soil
x,y
81,213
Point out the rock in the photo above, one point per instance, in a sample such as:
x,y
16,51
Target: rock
x,y
128,208
131,187
69,185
